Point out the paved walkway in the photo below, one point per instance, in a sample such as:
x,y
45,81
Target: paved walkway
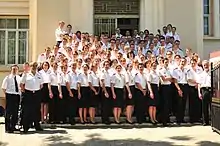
x,y
170,136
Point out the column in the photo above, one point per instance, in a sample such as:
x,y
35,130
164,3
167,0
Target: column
x,y
147,15
81,15
44,18
216,18
199,27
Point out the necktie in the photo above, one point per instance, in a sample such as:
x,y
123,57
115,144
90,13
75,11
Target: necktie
x,y
16,84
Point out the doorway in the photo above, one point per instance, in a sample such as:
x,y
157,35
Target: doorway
x,y
128,24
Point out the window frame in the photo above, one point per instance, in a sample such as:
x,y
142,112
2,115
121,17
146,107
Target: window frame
x,y
16,30
210,17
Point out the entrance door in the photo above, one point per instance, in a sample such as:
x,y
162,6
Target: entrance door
x,y
128,24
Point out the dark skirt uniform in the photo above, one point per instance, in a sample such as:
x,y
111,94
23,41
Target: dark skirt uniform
x,y
129,101
118,102
55,106
155,100
85,97
94,99
45,93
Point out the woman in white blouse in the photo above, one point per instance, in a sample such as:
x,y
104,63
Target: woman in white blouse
x,y
94,85
153,86
45,73
55,95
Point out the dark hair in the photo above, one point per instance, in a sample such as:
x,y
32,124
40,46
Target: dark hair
x,y
130,52
69,25
14,65
45,62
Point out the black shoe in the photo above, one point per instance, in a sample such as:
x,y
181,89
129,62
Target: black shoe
x,y
206,124
25,131
107,123
39,129
165,124
129,122
9,131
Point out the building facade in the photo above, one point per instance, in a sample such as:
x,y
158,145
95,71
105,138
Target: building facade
x,y
27,26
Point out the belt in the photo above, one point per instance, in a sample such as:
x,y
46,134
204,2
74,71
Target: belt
x,y
206,88
28,91
182,83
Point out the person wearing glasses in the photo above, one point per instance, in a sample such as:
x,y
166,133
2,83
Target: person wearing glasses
x,y
11,90
31,84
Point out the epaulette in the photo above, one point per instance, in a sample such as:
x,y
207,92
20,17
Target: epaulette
x,y
114,74
136,74
175,68
68,72
42,54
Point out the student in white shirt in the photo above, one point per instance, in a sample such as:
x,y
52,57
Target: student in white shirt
x,y
83,93
166,90
129,100
72,86
45,73
153,86
141,94
59,32
94,82
10,87
62,85
180,79
55,95
118,83
31,85
204,90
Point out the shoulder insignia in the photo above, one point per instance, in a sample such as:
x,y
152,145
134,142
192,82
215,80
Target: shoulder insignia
x,y
175,68
68,72
90,72
114,74
136,74
42,54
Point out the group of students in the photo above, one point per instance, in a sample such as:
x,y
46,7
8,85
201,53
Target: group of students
x,y
67,82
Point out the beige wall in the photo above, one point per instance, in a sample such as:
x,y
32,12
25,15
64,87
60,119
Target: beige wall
x,y
211,45
14,7
187,17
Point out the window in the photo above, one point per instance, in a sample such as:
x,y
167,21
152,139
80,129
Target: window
x,y
13,40
206,17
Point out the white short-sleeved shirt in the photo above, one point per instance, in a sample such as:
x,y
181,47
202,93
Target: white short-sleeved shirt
x,y
118,80
58,33
192,75
32,82
93,79
105,75
180,75
141,79
72,78
45,75
130,77
165,72
62,79
53,78
9,84
153,78
205,79
83,80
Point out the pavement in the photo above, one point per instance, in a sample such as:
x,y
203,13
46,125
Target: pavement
x,y
125,135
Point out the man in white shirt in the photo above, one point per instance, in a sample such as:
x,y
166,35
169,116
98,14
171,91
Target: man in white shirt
x,y
10,87
44,56
204,90
31,84
59,32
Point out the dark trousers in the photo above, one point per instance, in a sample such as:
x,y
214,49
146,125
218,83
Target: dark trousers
x,y
194,104
140,106
206,101
64,109
173,103
11,111
31,109
72,106
166,98
181,103
55,105
106,106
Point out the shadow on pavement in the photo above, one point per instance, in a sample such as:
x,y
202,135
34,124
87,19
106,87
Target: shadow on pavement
x,y
3,143
181,138
208,143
